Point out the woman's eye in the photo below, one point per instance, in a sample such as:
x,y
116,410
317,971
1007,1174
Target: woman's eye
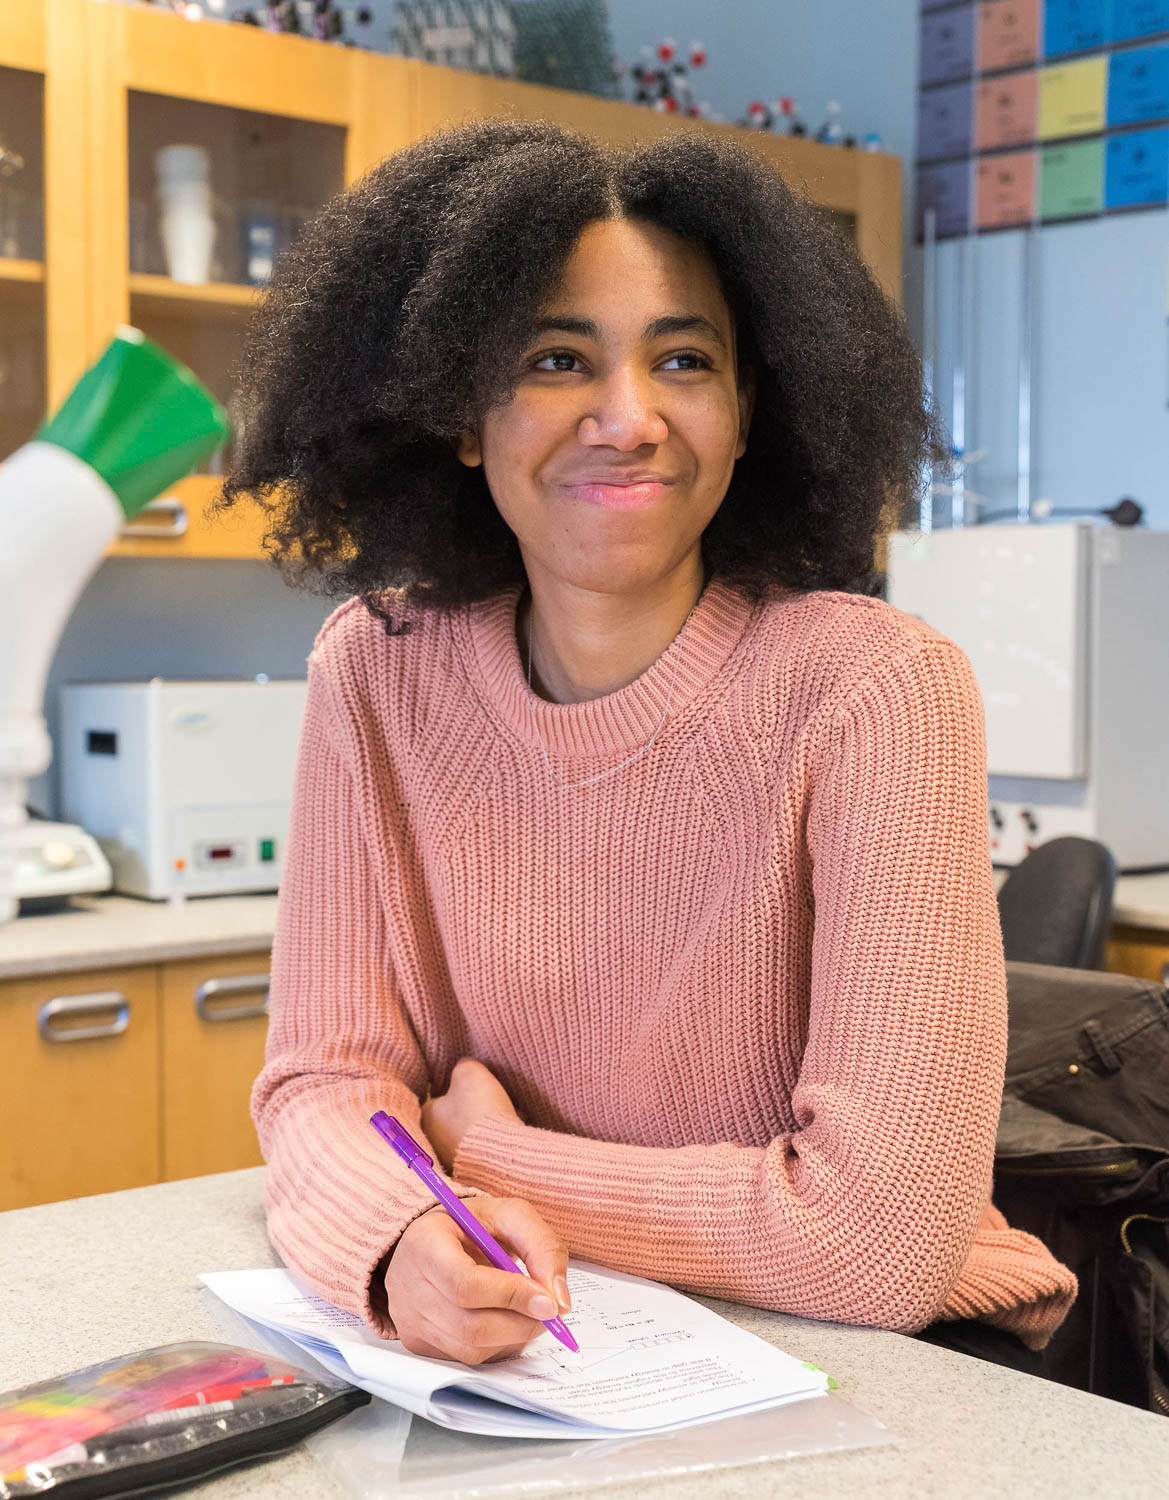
x,y
564,361
691,360
557,360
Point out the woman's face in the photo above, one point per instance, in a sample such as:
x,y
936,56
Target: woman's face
x,y
628,414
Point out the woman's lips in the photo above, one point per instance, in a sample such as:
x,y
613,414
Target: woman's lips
x,y
620,496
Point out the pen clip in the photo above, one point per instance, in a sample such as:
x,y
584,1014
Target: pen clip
x,y
399,1137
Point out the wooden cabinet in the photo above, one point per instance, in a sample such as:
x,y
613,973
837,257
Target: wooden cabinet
x,y
79,1107
115,1078
1140,951
22,236
180,524
214,1025
286,122
89,91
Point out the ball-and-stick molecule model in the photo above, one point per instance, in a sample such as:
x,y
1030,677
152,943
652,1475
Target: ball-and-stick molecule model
x,y
661,79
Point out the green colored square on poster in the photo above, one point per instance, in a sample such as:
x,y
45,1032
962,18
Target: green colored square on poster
x,y
1072,180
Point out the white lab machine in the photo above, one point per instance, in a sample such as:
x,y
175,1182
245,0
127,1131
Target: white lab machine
x,y
187,786
1067,629
53,861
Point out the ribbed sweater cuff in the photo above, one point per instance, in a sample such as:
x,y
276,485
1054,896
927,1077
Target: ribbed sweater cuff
x,y
1014,1282
372,1307
346,1276
337,1198
486,1149
565,1178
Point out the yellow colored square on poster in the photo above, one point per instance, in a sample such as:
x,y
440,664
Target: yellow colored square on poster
x,y
1072,97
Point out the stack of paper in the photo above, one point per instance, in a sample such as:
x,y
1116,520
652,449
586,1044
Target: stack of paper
x,y
650,1360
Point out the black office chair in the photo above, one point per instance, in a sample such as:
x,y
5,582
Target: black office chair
x,y
1056,906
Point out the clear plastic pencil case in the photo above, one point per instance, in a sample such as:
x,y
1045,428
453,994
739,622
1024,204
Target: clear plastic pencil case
x,y
158,1418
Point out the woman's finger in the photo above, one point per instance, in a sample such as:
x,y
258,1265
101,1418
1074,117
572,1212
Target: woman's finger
x,y
453,1274
530,1237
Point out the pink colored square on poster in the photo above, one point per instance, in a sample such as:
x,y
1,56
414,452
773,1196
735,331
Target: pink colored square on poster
x,y
1008,34
1006,110
1006,190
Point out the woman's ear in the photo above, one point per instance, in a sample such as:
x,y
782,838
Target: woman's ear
x,y
746,407
469,449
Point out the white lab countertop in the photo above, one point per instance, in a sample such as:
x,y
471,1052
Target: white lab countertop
x,y
968,1428
100,932
1142,901
106,932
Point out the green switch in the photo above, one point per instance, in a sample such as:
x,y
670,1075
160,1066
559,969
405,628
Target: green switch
x,y
267,851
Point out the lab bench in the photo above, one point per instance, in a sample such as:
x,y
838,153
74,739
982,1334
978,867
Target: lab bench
x,y
966,1428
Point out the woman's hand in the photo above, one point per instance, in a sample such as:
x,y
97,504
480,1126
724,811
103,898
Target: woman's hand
x,y
447,1304
474,1094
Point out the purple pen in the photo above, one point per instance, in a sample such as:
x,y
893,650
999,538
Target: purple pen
x,y
417,1160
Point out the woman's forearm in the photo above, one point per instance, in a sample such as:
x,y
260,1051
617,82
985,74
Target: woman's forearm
x,y
804,1225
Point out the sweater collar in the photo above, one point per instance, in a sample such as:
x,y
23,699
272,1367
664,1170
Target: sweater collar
x,y
623,720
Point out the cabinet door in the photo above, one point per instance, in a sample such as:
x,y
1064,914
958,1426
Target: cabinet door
x,y
178,524
22,246
79,1106
214,1022
1139,952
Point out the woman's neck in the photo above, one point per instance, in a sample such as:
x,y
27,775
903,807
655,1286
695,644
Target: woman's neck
x,y
586,644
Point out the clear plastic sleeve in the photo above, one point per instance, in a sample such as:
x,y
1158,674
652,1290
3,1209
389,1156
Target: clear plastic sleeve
x,y
383,1451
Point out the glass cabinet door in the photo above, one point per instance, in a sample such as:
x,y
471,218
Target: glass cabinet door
x,y
208,146
22,249
215,195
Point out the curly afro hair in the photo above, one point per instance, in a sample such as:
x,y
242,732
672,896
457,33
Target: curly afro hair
x,y
403,311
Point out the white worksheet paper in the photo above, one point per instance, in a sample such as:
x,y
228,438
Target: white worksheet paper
x,y
650,1359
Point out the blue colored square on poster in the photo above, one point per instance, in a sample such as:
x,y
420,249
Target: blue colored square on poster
x,y
1138,86
1136,169
1074,26
1133,19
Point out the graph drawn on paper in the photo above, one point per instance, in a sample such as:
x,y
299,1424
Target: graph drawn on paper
x,y
548,1362
561,1364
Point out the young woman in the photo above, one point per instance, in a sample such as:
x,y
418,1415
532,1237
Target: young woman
x,y
638,857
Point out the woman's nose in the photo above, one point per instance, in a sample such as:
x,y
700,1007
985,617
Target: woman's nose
x,y
623,414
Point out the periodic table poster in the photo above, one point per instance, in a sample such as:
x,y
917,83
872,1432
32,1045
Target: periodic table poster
x,y
1040,111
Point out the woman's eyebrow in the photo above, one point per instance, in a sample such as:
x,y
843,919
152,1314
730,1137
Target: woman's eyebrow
x,y
662,327
584,328
684,323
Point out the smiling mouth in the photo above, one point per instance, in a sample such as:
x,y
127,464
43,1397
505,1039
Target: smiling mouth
x,y
618,495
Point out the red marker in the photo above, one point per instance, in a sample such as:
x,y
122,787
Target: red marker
x,y
228,1392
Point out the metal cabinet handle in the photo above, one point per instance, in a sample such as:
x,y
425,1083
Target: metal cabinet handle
x,y
244,984
169,506
83,1005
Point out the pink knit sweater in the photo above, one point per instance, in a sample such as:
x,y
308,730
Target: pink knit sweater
x,y
747,995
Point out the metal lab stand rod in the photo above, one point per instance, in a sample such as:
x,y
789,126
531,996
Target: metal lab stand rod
x,y
1029,270
929,340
